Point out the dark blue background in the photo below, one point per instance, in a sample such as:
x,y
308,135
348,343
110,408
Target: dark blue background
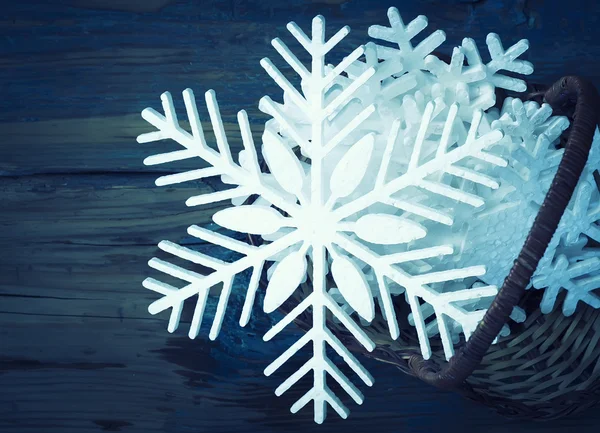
x,y
80,217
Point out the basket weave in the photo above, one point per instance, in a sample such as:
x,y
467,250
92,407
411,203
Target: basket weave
x,y
549,366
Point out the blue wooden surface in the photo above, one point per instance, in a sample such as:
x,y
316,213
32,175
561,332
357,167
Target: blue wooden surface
x,y
80,216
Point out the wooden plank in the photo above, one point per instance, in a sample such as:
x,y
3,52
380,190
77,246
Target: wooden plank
x,y
57,231
97,377
99,209
122,5
89,374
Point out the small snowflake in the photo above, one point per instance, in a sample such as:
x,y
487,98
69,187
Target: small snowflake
x,y
579,279
531,133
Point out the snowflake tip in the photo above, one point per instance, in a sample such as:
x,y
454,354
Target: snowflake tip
x,y
393,14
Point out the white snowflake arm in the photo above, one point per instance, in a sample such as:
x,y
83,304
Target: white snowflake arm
x,y
412,58
221,163
500,60
313,85
417,287
321,336
444,162
200,285
455,72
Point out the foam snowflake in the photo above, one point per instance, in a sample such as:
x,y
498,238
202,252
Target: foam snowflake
x,y
411,58
579,279
472,86
319,210
530,142
532,134
569,263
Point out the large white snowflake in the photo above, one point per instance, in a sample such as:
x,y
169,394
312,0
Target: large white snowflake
x,y
323,211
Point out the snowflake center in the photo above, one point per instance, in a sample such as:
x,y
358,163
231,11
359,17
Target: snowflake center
x,y
318,225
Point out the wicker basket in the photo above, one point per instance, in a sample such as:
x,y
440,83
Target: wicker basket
x,y
549,366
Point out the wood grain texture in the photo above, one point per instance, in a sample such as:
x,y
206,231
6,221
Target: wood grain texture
x,y
80,215
63,62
